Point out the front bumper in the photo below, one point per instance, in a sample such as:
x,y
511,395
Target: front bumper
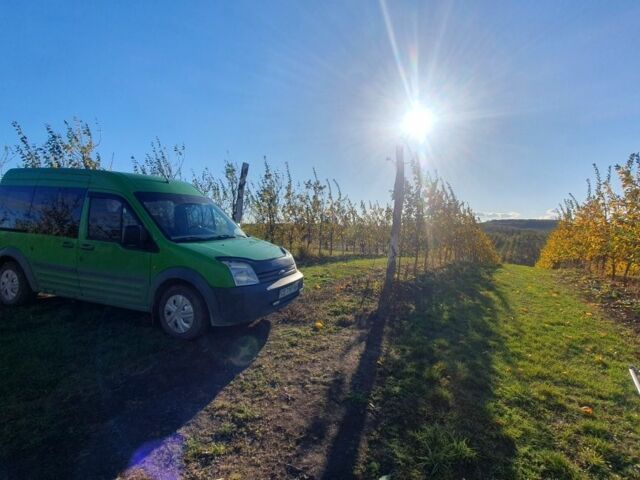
x,y
239,305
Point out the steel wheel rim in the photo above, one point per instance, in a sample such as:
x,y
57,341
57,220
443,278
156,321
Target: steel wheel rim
x,y
178,313
9,285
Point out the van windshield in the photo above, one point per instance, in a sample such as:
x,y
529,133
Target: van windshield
x,y
188,218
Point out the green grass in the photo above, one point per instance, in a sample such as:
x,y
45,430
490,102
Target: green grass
x,y
203,450
324,274
487,377
70,371
51,366
484,375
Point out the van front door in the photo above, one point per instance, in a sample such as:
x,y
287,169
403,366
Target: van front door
x,y
109,271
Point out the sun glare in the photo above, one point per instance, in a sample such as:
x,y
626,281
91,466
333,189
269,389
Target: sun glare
x,y
417,123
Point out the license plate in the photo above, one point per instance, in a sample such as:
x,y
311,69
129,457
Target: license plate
x,y
288,290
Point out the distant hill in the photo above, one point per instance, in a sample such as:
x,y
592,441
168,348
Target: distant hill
x,y
519,241
544,226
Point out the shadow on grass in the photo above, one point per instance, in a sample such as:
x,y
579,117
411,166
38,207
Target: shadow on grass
x,y
428,392
88,391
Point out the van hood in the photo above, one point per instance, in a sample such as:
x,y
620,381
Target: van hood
x,y
250,248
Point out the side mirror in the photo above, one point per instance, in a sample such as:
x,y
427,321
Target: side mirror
x,y
133,236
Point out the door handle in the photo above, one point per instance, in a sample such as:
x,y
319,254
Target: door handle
x,y
87,246
68,244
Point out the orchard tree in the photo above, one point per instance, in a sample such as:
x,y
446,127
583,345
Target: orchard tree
x,y
266,202
602,233
75,147
160,162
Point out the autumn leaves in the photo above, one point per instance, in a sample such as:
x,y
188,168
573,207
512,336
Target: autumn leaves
x,y
602,233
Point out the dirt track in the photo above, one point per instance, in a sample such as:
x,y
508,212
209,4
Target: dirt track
x,y
297,411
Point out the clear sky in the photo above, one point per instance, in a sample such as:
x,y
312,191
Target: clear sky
x,y
528,94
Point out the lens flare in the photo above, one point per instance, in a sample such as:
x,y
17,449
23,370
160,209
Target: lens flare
x,y
417,123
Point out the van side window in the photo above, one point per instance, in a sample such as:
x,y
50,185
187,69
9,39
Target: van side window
x,y
56,211
107,218
15,203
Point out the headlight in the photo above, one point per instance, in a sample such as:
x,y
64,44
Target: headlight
x,y
242,273
288,253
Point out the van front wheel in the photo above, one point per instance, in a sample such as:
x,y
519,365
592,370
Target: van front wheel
x,y
183,313
14,287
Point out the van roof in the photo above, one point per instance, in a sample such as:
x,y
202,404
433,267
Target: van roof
x,y
98,179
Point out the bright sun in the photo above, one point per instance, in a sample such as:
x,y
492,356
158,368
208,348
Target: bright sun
x,y
417,123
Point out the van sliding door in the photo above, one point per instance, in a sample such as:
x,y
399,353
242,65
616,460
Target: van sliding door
x,y
54,221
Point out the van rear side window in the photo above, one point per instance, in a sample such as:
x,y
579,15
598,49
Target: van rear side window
x,y
56,211
15,203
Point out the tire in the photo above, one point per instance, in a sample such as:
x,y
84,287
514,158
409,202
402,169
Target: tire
x,y
14,286
182,312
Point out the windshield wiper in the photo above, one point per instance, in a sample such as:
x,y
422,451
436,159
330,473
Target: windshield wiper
x,y
195,238
222,237
192,238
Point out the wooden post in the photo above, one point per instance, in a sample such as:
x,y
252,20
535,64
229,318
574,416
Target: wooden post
x,y
398,197
239,203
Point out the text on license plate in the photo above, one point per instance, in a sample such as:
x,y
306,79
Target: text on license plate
x,y
288,290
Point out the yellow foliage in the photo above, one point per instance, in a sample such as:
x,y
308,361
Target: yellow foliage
x,y
602,233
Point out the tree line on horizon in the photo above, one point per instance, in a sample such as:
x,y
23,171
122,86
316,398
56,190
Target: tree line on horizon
x,y
312,217
519,241
519,246
602,233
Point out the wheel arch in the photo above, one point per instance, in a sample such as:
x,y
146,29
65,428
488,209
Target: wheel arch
x,y
11,254
188,277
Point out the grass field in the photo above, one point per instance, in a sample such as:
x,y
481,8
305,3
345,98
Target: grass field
x,y
467,372
506,374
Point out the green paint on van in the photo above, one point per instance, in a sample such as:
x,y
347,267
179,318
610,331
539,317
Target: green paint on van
x,y
123,239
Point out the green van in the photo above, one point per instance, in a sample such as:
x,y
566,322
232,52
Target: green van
x,y
137,242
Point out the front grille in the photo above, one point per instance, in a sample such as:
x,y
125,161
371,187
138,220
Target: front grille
x,y
272,275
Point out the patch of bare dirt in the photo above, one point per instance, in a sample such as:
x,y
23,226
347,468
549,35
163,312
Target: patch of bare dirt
x,y
299,411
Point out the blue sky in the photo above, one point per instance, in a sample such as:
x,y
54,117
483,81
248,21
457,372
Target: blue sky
x,y
528,94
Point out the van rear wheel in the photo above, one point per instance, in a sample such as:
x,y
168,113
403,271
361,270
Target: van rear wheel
x,y
14,287
182,312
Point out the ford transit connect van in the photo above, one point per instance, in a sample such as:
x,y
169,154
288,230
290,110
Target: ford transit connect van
x,y
137,242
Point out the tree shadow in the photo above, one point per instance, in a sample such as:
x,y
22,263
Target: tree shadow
x,y
91,390
423,388
343,453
